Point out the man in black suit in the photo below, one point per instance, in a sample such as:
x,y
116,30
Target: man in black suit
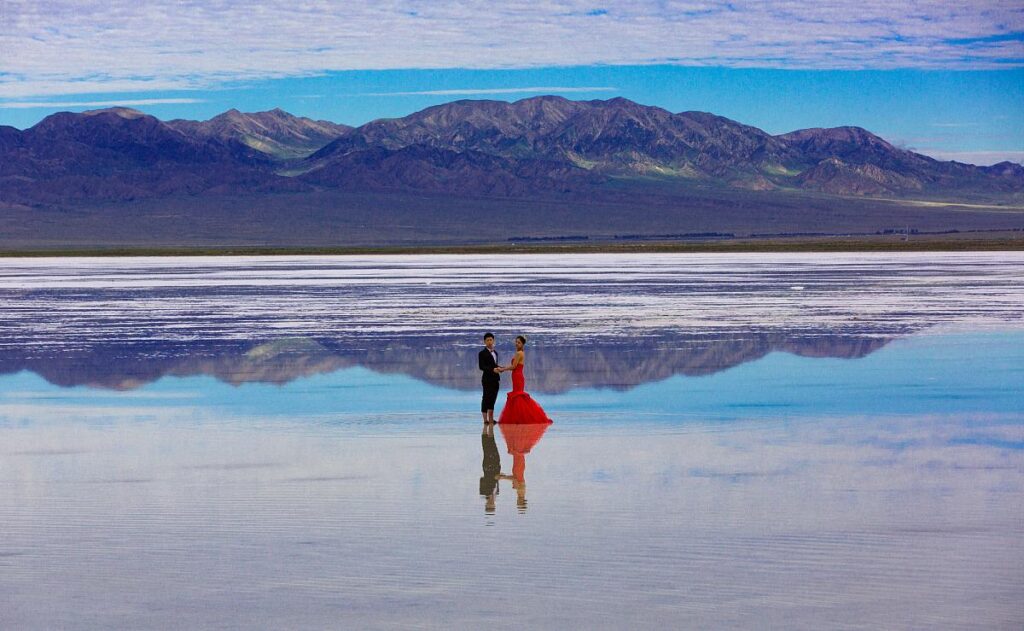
x,y
491,379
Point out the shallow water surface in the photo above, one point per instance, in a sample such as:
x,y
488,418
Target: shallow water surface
x,y
794,441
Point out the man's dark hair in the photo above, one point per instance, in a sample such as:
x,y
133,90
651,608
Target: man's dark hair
x,y
487,335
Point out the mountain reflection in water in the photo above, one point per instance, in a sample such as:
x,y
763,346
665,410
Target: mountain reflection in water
x,y
594,320
613,363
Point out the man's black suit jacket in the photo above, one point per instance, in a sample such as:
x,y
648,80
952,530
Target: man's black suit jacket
x,y
487,365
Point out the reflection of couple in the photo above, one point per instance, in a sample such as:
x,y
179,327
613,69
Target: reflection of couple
x,y
519,408
522,422
520,438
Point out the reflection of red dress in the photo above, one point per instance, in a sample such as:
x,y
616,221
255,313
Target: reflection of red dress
x,y
520,438
520,408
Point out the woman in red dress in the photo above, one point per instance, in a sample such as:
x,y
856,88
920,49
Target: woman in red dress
x,y
520,408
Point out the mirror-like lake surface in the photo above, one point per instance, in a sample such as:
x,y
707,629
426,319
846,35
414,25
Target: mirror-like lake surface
x,y
739,441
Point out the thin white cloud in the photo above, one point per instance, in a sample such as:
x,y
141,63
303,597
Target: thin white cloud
x,y
61,47
982,158
117,103
472,91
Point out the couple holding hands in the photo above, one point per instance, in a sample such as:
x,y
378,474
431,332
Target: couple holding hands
x,y
519,408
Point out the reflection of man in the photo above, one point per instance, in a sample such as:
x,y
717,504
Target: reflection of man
x,y
491,378
491,467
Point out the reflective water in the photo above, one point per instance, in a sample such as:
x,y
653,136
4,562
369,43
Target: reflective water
x,y
795,441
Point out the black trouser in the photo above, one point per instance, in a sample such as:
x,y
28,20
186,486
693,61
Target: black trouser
x,y
490,395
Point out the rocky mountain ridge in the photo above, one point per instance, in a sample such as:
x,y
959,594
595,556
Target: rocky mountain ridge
x,y
537,146
275,132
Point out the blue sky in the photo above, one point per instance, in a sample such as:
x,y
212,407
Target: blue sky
x,y
941,79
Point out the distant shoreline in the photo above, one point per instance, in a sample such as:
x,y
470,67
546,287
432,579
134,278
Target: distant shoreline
x,y
887,243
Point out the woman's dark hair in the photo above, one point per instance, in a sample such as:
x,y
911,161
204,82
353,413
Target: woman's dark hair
x,y
522,338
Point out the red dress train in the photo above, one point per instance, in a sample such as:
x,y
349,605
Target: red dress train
x,y
520,408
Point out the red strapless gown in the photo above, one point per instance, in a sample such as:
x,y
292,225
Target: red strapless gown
x,y
520,408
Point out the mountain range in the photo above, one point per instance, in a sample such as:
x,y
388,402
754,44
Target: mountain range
x,y
545,166
486,148
276,133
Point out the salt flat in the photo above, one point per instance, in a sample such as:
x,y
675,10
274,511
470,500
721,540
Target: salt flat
x,y
801,441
